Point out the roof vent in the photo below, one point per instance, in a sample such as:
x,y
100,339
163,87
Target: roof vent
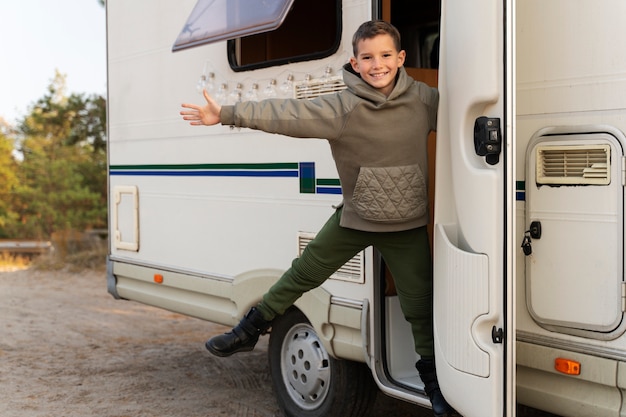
x,y
574,165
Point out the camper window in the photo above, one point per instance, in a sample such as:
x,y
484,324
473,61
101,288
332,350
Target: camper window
x,y
311,30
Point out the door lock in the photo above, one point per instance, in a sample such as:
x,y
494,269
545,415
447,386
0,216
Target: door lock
x,y
488,139
497,334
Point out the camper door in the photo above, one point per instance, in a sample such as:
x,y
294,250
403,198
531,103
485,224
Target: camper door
x,y
474,210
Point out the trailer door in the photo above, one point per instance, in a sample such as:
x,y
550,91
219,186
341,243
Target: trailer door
x,y
474,208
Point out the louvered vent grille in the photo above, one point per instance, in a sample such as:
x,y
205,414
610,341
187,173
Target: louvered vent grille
x,y
318,87
574,165
351,271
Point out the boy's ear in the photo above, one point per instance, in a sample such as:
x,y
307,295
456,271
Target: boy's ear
x,y
401,57
355,64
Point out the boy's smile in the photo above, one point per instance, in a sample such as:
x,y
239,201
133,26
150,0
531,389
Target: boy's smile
x,y
378,61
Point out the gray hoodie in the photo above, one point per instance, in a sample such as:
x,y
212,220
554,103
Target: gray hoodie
x,y
379,145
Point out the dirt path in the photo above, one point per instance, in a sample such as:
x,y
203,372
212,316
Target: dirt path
x,y
67,348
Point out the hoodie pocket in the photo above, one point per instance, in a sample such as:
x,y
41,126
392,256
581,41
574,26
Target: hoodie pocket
x,y
390,194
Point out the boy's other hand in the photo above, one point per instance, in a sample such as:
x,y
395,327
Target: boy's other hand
x,y
207,115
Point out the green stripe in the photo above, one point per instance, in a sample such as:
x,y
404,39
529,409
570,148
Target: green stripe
x,y
329,181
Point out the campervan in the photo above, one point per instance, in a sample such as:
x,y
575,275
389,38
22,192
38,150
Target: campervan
x,y
527,175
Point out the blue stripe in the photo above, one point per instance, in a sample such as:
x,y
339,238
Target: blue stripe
x,y
328,190
292,174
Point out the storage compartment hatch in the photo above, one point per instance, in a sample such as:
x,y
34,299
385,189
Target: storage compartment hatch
x,y
574,275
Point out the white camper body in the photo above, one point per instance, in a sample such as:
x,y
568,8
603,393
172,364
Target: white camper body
x,y
528,182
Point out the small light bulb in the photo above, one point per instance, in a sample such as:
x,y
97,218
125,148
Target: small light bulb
x,y
270,90
306,90
201,84
220,96
253,93
210,83
287,86
235,95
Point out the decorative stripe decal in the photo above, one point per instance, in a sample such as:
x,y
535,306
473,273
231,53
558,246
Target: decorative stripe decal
x,y
520,190
208,173
305,171
242,166
307,177
328,186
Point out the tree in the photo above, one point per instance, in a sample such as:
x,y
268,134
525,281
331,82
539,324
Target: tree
x,y
8,179
62,175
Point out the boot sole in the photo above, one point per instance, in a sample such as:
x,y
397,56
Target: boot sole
x,y
223,354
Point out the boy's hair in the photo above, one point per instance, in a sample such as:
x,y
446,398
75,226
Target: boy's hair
x,y
374,28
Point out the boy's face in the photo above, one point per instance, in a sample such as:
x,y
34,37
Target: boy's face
x,y
377,62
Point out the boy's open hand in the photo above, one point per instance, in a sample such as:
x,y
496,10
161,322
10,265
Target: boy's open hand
x,y
202,115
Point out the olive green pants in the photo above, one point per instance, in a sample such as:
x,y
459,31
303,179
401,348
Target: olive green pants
x,y
406,253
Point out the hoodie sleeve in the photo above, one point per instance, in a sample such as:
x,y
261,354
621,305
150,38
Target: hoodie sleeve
x,y
430,97
323,117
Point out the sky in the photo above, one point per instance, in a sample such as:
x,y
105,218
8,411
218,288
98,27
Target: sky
x,y
38,37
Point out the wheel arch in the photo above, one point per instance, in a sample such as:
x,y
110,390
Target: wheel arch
x,y
309,382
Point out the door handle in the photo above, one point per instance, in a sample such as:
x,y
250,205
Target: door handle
x,y
488,139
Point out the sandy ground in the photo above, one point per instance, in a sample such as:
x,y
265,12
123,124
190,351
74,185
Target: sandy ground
x,y
67,348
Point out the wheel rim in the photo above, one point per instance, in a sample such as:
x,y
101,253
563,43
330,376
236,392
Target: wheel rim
x,y
305,367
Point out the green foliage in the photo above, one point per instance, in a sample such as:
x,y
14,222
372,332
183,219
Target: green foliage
x,y
8,181
60,180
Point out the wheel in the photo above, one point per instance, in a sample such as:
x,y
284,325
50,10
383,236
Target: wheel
x,y
307,381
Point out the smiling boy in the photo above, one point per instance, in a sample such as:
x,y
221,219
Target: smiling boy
x,y
377,130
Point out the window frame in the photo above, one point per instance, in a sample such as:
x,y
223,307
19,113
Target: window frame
x,y
233,43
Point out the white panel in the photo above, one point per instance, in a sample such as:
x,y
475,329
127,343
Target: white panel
x,y
464,278
571,56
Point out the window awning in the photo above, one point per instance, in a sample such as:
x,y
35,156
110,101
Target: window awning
x,y
216,20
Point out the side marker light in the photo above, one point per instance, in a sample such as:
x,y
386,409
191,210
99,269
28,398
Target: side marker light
x,y
158,278
567,366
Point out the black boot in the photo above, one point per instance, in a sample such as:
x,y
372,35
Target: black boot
x,y
242,338
441,408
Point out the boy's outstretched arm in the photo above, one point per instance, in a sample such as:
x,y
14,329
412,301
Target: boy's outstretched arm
x,y
207,115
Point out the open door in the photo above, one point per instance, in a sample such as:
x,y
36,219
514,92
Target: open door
x,y
473,214
474,208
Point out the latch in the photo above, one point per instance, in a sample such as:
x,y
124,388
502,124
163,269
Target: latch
x,y
497,334
488,139
535,233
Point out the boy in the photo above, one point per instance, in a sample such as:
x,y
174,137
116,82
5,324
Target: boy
x,y
377,130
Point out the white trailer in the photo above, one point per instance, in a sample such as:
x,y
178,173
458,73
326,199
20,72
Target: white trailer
x,y
527,172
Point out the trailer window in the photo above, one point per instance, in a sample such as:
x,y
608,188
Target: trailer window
x,y
311,30
216,20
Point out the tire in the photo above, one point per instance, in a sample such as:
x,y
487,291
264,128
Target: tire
x,y
307,381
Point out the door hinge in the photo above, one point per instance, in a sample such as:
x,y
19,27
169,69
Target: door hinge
x,y
623,171
497,334
623,297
